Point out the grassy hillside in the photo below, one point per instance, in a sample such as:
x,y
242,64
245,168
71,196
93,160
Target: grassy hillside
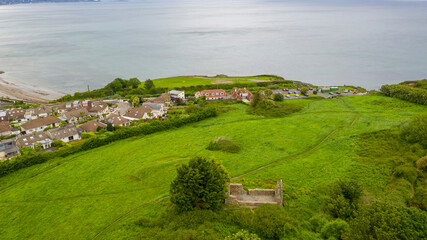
x,y
99,193
186,81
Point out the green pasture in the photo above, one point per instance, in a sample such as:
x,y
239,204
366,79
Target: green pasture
x,y
186,81
102,191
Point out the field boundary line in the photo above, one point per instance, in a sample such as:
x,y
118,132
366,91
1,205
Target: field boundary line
x,y
127,214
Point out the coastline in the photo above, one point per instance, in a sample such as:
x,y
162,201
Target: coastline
x,y
27,93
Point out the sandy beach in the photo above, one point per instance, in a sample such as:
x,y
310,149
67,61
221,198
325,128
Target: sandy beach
x,y
28,93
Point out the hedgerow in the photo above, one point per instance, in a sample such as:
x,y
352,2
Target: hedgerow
x,y
12,165
411,94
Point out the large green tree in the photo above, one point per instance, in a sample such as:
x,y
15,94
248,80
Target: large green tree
x,y
148,84
200,184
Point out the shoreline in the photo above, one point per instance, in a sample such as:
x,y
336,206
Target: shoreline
x,y
27,93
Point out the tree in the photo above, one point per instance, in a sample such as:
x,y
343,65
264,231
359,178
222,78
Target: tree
x,y
243,235
269,221
116,85
268,92
257,98
134,83
334,229
134,100
200,184
278,97
304,90
110,127
148,84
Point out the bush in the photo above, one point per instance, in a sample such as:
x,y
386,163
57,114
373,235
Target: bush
x,y
269,108
334,229
343,199
315,92
202,184
269,221
422,164
224,144
278,97
243,235
382,221
415,131
317,223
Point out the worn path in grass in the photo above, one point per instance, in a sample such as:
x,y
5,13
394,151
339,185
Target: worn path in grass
x,y
91,195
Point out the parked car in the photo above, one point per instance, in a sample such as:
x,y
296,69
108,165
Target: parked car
x,y
331,93
338,93
296,95
295,92
346,91
288,96
306,95
310,89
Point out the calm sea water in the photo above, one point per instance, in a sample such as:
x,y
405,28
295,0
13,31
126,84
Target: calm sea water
x,y
69,45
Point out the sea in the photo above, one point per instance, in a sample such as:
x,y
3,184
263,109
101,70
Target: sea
x,y
70,46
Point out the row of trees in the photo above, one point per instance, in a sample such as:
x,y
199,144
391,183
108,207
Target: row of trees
x,y
411,94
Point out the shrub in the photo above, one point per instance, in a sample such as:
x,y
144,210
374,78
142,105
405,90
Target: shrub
x,y
315,92
343,199
269,221
278,97
304,90
243,235
415,131
224,144
382,221
422,164
334,229
269,108
317,222
202,184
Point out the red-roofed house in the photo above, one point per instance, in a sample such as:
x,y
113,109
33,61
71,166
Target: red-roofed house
x,y
214,94
241,94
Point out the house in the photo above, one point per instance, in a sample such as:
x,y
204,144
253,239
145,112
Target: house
x,y
65,134
17,115
92,126
5,129
158,109
68,106
4,116
241,94
36,139
122,108
43,111
98,109
117,120
176,95
214,94
77,115
143,112
40,124
164,98
8,149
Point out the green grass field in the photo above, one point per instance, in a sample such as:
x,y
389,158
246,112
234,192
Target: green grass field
x,y
186,81
99,193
